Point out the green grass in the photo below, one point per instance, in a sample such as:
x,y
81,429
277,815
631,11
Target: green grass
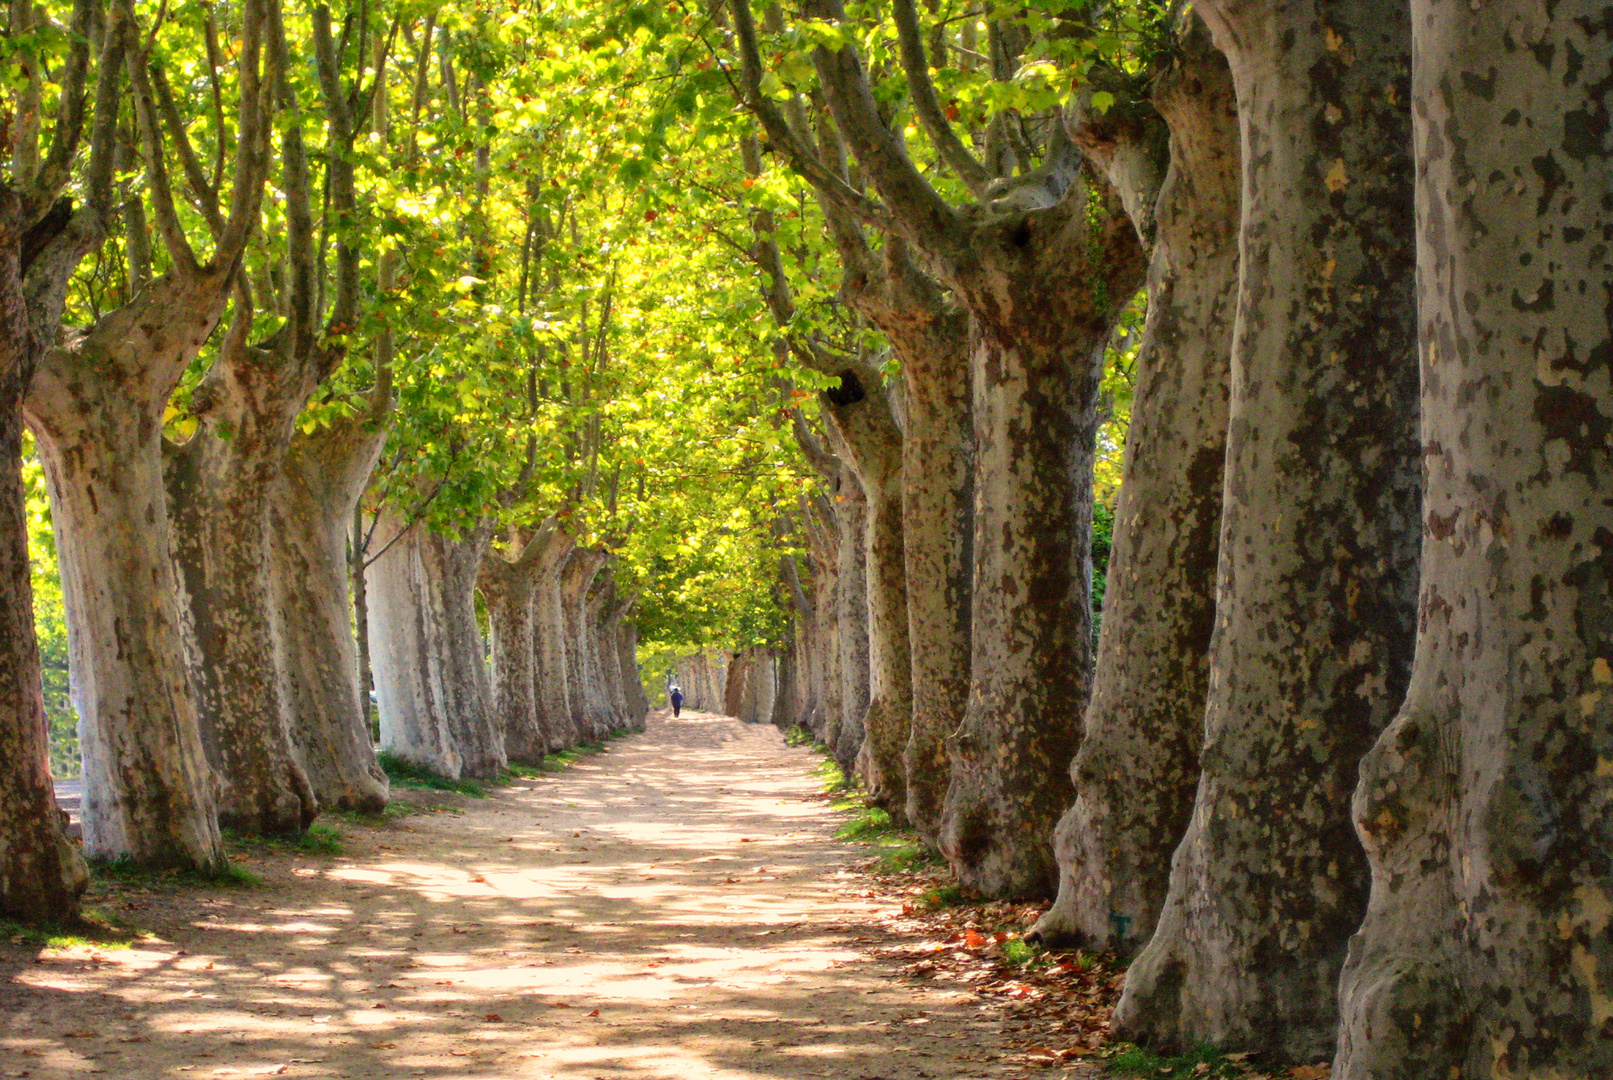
x,y
898,855
868,823
125,869
1134,1061
406,774
834,779
943,896
320,839
90,929
800,736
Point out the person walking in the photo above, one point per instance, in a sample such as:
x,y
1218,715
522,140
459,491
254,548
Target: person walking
x,y
676,697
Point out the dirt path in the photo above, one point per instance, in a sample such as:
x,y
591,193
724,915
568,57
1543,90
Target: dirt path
x,y
675,907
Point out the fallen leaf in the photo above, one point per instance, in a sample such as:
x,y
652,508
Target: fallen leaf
x,y
493,1018
1310,1072
594,1013
479,880
383,1046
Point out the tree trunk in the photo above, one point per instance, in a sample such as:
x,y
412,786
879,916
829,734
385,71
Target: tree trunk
x,y
1137,768
1316,587
787,705
870,442
851,622
409,697
937,535
430,678
41,873
638,706
601,705
310,509
511,646
510,588
733,703
95,406
1485,952
220,542
551,685
575,578
451,566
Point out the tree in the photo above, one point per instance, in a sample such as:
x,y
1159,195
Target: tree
x,y
42,240
96,407
1137,767
1314,594
1483,806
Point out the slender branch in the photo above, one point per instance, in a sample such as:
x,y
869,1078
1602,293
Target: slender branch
x,y
925,217
785,138
925,105
162,195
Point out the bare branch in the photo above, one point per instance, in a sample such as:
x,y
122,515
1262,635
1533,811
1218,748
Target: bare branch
x,y
162,195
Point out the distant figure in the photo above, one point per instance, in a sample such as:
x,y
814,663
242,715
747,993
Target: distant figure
x,y
676,697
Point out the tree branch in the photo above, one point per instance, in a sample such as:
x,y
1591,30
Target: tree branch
x,y
925,105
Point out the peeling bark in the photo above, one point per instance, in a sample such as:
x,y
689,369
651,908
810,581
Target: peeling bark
x,y
509,588
220,544
638,706
851,696
95,407
1484,807
551,687
431,682
311,504
41,872
1137,768
1316,586
575,578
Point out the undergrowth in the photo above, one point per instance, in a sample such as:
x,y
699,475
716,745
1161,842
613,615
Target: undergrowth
x,y
1205,1063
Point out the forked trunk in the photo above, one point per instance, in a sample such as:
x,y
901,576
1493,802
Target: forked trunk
x,y
1315,595
95,407
1137,768
310,508
1485,953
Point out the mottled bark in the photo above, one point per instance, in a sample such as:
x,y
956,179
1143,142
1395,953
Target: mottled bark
x,y
311,504
575,579
601,702
1137,768
869,442
431,682
1317,579
41,872
733,702
937,538
1485,806
95,407
216,485
638,706
509,589
551,690
851,669
451,565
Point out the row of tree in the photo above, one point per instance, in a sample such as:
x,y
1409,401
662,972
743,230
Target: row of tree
x,y
374,430
1339,755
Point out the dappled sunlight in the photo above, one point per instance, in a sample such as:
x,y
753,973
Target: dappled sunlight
x,y
674,907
